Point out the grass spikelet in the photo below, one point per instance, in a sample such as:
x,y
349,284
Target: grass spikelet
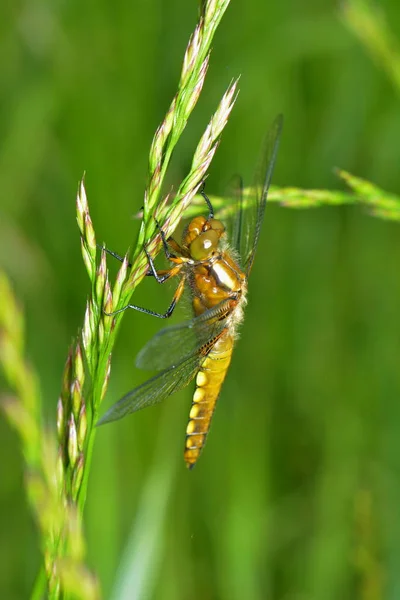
x,y
47,471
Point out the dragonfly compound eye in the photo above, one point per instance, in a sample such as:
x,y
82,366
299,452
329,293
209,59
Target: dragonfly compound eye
x,y
205,244
217,226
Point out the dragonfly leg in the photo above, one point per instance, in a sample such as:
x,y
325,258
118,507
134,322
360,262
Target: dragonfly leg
x,y
170,243
162,276
159,277
147,311
167,253
207,200
114,254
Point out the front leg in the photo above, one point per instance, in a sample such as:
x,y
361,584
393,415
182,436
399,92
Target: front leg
x,y
147,311
164,275
113,254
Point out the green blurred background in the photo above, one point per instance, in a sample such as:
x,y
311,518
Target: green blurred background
x,y
297,494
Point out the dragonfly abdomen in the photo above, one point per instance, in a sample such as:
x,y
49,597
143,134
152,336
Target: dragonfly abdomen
x,y
209,380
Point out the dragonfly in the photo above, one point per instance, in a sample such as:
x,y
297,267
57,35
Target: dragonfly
x,y
216,274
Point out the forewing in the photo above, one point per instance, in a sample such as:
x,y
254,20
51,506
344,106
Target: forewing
x,y
155,390
235,193
173,344
255,199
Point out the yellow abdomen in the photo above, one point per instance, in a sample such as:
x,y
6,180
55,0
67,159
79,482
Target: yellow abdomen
x,y
209,380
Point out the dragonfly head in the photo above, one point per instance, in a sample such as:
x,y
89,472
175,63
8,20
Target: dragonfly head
x,y
202,237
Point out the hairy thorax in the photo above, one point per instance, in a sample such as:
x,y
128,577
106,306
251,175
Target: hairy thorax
x,y
216,280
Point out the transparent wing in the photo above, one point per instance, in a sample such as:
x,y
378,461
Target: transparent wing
x,y
256,198
173,344
155,390
235,193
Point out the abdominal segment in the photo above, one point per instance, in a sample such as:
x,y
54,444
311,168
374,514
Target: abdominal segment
x,y
209,380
